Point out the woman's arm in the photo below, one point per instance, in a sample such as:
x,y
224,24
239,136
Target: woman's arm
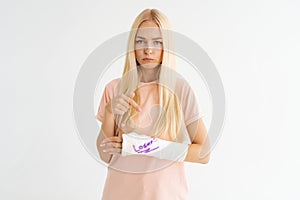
x,y
199,150
107,140
107,130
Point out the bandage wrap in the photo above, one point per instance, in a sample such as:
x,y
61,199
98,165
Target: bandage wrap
x,y
136,144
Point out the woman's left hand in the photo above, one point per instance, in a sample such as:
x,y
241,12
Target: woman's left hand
x,y
112,145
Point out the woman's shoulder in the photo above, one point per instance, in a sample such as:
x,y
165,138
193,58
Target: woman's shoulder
x,y
111,87
180,79
112,84
182,84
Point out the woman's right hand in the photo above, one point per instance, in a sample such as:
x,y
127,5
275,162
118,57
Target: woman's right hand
x,y
120,105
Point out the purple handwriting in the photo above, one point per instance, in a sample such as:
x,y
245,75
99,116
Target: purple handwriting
x,y
146,147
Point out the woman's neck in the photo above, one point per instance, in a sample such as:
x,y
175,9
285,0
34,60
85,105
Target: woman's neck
x,y
149,75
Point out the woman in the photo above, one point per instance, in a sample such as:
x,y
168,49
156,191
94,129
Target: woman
x,y
149,99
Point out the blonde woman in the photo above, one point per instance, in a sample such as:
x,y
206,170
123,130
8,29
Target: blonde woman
x,y
150,100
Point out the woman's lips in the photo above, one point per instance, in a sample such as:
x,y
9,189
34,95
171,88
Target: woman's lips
x,y
148,59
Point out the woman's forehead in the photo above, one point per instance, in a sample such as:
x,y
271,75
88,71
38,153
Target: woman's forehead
x,y
149,33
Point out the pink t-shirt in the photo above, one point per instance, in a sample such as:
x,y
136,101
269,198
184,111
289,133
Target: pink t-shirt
x,y
144,177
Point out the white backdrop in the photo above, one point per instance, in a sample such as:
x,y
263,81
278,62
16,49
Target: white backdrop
x,y
254,44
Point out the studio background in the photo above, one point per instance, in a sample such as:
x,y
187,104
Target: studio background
x,y
254,45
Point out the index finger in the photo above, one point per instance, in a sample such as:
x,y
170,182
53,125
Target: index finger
x,y
133,103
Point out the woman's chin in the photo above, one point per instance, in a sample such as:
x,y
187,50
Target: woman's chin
x,y
149,65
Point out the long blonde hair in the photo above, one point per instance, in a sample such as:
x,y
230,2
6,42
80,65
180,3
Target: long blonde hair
x,y
170,116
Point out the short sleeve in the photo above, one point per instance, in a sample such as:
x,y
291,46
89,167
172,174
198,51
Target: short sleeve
x,y
104,100
108,94
190,105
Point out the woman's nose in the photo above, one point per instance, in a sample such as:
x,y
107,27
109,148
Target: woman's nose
x,y
148,50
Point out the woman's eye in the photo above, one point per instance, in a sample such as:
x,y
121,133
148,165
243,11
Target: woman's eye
x,y
139,41
158,42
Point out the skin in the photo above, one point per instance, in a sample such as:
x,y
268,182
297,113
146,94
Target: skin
x,y
147,45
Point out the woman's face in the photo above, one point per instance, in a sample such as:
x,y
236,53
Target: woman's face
x,y
148,45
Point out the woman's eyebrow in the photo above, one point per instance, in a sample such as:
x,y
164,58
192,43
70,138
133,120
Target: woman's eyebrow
x,y
152,38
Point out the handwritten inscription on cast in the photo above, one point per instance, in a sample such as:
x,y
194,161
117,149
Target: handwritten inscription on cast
x,y
146,147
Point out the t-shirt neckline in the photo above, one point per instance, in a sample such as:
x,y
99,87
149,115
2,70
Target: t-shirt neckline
x,y
145,83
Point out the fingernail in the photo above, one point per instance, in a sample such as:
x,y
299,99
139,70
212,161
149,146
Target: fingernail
x,y
104,150
122,125
140,109
102,145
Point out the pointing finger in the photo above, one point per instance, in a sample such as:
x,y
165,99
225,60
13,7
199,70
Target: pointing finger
x,y
135,105
132,102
